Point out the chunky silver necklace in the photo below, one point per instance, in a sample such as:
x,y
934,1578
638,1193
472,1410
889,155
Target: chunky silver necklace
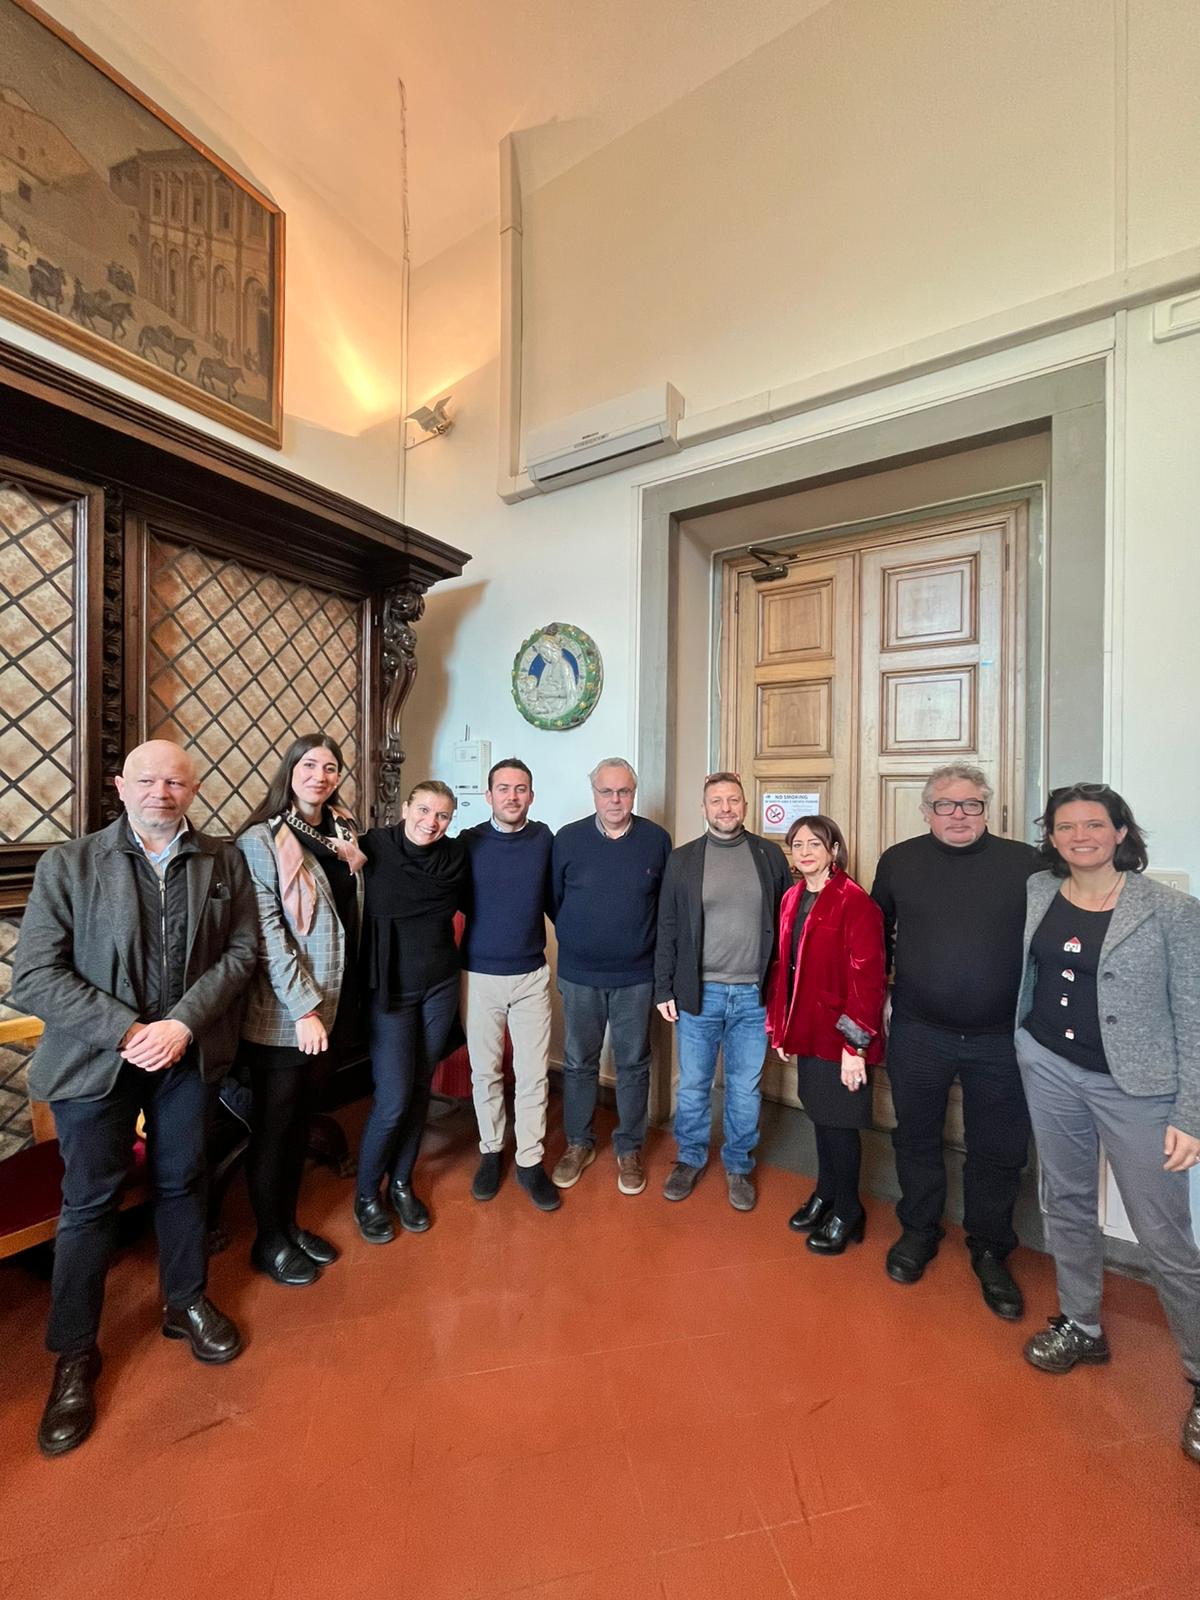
x,y
320,839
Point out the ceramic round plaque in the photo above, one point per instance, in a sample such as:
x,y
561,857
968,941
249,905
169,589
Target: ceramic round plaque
x,y
557,677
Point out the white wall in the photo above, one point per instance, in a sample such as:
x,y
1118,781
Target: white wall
x,y
344,295
880,172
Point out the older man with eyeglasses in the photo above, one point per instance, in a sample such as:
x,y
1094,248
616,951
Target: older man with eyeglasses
x,y
953,902
606,870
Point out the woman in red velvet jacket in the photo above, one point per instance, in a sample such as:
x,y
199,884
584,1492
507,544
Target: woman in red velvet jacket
x,y
825,1007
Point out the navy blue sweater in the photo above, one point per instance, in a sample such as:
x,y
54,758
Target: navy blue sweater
x,y
606,900
510,896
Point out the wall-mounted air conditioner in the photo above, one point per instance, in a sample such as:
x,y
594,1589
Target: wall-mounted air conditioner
x,y
605,438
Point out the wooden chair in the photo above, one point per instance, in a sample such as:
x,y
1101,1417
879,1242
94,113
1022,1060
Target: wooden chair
x,y
31,1180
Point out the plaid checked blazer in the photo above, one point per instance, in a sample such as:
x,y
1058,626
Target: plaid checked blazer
x,y
296,973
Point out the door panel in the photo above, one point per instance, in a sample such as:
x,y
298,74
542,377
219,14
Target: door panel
x,y
878,658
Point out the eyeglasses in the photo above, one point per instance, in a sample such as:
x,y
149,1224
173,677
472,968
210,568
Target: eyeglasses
x,y
615,794
947,808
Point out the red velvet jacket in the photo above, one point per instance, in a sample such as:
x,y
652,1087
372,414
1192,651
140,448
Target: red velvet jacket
x,y
839,968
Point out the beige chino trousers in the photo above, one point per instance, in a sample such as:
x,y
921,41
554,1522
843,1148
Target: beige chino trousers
x,y
522,1004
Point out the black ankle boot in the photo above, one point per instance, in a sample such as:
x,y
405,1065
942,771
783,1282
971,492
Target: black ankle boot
x,y
373,1221
413,1213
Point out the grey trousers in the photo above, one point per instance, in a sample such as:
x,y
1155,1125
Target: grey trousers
x,y
1073,1113
522,1004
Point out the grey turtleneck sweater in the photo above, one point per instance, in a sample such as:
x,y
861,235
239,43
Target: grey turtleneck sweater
x,y
732,911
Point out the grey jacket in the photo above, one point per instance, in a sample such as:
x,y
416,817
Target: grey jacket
x,y
296,973
79,960
1148,989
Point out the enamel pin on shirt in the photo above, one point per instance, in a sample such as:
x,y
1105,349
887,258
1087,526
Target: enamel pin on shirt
x,y
1072,946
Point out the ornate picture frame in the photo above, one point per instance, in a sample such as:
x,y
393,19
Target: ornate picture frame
x,y
126,239
557,677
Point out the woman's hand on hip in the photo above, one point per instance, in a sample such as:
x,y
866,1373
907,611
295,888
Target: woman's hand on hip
x,y
311,1037
1181,1150
854,1069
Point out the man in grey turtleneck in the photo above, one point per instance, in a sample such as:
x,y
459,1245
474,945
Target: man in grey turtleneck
x,y
717,917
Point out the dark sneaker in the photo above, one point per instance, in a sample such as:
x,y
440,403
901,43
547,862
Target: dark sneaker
x,y
1001,1292
539,1188
1064,1346
741,1191
572,1164
1191,1429
631,1176
681,1180
71,1409
485,1185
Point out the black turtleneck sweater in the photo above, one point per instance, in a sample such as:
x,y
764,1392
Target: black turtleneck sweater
x,y
954,919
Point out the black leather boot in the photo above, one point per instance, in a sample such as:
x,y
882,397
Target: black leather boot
x,y
413,1213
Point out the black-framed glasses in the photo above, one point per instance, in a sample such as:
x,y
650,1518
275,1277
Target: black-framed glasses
x,y
947,808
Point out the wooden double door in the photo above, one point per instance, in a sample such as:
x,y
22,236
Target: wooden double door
x,y
880,656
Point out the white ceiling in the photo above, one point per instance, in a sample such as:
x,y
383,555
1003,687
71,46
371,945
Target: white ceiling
x,y
318,84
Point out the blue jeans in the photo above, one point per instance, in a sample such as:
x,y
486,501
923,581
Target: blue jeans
x,y
626,1014
733,1020
406,1046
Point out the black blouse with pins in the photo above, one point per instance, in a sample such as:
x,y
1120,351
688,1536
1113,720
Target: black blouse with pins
x,y
1066,1016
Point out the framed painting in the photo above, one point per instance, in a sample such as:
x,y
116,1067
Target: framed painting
x,y
125,238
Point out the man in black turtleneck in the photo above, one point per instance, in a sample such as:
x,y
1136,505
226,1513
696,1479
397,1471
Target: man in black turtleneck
x,y
717,919
953,902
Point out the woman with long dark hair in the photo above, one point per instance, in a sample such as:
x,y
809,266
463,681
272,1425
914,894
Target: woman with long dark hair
x,y
302,1002
416,879
825,1007
1108,1040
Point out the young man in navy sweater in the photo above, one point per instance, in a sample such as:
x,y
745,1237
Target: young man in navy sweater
x,y
607,869
506,981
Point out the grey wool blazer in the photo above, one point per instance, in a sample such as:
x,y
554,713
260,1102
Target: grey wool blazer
x,y
1148,989
297,973
79,959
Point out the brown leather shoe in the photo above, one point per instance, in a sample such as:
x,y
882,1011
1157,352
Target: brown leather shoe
x,y
572,1164
631,1179
71,1409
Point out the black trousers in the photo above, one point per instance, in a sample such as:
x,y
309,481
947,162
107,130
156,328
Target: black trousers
x,y
406,1046
95,1138
923,1062
839,1163
283,1087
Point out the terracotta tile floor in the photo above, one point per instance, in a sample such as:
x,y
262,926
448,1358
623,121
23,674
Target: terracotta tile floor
x,y
625,1399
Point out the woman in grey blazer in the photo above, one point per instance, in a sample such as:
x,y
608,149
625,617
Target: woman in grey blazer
x,y
1108,1039
302,1002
